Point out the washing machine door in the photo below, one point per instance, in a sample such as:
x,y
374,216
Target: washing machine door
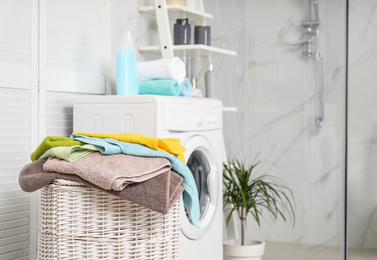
x,y
200,158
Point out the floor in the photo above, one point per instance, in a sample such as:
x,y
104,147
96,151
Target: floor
x,y
290,251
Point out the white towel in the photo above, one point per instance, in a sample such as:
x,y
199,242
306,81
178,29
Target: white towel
x,y
173,68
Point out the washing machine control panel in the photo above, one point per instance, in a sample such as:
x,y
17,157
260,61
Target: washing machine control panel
x,y
195,116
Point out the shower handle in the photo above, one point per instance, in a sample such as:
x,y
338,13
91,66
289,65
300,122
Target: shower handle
x,y
319,82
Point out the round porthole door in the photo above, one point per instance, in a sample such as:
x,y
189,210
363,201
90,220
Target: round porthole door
x,y
200,160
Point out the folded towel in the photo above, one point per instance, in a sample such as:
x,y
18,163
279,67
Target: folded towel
x,y
185,88
165,87
169,145
190,194
52,141
69,153
172,68
112,172
158,193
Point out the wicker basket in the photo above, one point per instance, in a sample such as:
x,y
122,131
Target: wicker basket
x,y
78,222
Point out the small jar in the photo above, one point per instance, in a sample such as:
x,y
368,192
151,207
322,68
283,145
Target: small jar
x,y
202,34
182,32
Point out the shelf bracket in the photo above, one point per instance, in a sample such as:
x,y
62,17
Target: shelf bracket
x,y
163,29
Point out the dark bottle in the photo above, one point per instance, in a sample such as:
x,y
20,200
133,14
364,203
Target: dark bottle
x,y
182,32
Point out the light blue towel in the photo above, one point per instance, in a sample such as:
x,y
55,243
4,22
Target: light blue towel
x,y
112,146
186,88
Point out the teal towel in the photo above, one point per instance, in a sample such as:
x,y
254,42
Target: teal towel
x,y
112,146
165,87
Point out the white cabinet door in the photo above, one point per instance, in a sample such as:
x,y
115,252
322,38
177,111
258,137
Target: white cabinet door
x,y
73,58
18,121
49,51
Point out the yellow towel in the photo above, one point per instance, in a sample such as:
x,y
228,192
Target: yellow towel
x,y
169,145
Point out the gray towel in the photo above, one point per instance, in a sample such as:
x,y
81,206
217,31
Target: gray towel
x,y
158,193
111,172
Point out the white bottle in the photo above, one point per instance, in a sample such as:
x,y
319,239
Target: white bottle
x,y
209,78
127,78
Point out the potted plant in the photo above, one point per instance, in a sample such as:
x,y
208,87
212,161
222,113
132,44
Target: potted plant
x,y
247,194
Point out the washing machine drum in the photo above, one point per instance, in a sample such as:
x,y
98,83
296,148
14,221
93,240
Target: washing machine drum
x,y
203,167
200,169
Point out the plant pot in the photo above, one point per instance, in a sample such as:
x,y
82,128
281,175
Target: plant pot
x,y
252,250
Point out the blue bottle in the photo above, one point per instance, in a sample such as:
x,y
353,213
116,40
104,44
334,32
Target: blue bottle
x,y
127,78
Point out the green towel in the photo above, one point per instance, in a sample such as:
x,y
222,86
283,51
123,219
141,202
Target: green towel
x,y
165,87
53,141
69,153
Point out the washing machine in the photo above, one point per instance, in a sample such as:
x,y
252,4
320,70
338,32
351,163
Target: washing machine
x,y
197,122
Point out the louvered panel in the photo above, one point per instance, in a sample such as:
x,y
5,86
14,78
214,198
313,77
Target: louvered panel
x,y
15,146
20,254
15,123
10,96
59,114
11,240
58,117
14,154
15,24
60,131
14,208
14,231
13,224
13,248
13,197
11,116
19,98
20,139
6,186
9,178
15,131
19,215
12,108
9,171
22,258
15,138
75,35
14,201
18,161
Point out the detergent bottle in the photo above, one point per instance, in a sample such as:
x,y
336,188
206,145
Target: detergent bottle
x,y
127,78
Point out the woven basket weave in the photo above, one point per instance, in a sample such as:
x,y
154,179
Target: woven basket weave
x,y
79,222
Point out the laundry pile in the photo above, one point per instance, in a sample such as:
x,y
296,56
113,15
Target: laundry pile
x,y
163,77
145,170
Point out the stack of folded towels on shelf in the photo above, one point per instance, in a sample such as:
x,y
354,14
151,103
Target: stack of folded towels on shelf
x,y
164,77
145,170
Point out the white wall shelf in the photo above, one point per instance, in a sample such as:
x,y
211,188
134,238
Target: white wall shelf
x,y
165,13
194,49
178,11
230,109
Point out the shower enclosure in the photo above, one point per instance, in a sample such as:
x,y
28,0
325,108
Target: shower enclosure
x,y
311,117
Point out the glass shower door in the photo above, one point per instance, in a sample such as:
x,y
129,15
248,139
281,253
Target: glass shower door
x,y
273,86
362,130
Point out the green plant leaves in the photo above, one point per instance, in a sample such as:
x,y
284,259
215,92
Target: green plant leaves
x,y
257,196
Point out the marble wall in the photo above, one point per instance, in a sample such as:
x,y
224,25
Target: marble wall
x,y
362,173
273,86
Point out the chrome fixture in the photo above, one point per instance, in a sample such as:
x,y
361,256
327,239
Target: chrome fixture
x,y
311,51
